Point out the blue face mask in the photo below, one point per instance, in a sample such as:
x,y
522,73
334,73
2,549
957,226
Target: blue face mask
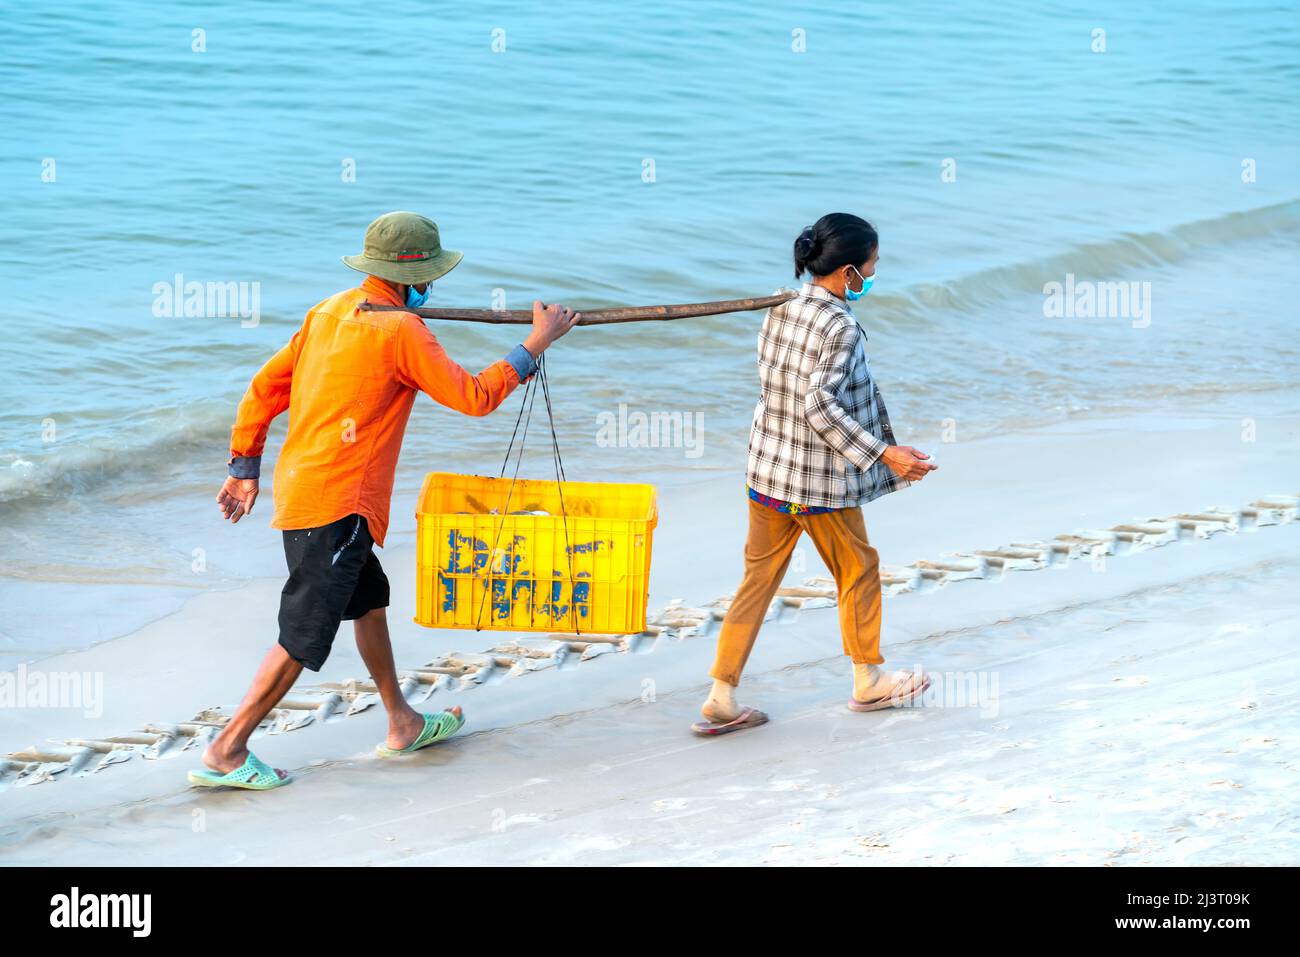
x,y
417,299
867,283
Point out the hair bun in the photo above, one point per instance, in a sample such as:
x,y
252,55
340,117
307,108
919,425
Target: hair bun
x,y
806,242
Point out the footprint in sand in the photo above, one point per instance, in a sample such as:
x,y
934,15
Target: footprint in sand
x,y
500,824
600,844
670,804
1130,681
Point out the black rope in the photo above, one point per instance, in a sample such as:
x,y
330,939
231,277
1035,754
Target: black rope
x,y
519,418
530,396
560,479
555,442
557,460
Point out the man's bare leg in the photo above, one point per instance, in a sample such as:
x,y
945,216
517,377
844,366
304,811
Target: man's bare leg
x,y
275,676
404,722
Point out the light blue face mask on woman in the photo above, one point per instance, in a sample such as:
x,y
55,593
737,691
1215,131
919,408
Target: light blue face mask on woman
x,y
417,299
866,286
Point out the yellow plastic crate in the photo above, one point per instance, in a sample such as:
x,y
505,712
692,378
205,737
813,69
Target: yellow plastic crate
x,y
511,572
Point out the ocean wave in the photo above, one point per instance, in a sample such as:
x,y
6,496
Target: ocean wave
x,y
71,467
1120,256
198,431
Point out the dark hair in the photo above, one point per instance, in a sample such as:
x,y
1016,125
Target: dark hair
x,y
835,240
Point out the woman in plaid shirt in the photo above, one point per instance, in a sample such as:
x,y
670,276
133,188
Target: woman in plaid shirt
x,y
821,447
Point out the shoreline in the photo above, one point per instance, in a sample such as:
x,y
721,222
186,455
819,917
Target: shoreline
x,y
172,597
640,702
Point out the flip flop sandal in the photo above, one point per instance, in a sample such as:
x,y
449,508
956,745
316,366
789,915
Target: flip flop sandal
x,y
437,727
749,718
253,775
890,700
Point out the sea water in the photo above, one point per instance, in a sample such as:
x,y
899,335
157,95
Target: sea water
x,y
179,182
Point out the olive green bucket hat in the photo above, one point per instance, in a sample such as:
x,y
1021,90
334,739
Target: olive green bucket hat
x,y
404,248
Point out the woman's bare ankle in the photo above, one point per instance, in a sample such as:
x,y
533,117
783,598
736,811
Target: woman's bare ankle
x,y
721,704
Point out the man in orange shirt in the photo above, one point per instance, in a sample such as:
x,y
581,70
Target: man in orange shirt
x,y
348,379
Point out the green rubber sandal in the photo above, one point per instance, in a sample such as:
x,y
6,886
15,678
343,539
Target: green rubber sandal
x,y
253,775
437,727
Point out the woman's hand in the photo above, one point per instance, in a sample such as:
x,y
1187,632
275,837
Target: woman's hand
x,y
907,462
236,498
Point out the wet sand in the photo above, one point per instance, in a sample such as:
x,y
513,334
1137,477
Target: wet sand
x,y
1136,708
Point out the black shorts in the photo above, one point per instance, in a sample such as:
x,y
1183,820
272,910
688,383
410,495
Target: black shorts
x,y
334,576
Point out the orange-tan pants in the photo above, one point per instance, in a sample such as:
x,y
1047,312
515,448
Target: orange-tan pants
x,y
841,539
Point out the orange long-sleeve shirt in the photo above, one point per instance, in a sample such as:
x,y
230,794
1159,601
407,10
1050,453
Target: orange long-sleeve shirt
x,y
348,379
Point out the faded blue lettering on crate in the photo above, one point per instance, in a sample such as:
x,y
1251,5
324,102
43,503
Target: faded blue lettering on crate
x,y
503,606
468,556
581,597
448,586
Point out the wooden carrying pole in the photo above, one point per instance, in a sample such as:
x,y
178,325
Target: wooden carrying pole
x,y
595,317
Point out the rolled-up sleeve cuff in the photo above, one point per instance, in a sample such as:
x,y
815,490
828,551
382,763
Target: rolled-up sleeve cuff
x,y
246,466
523,362
869,453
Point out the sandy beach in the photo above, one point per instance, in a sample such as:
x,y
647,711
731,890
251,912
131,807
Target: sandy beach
x,y
1114,699
729,271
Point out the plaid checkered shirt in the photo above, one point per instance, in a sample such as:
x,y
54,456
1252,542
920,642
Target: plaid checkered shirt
x,y
820,425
